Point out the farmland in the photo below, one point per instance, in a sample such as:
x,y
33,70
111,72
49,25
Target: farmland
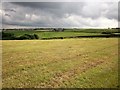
x,y
71,63
52,34
46,34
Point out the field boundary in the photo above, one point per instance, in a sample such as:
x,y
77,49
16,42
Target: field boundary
x,y
92,36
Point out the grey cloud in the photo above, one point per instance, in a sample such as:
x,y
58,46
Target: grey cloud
x,y
10,10
119,12
7,15
112,10
56,8
38,4
57,14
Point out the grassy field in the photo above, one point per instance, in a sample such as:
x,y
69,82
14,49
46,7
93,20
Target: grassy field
x,y
52,34
71,63
94,30
66,33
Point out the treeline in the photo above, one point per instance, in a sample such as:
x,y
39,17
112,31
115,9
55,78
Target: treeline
x,y
11,36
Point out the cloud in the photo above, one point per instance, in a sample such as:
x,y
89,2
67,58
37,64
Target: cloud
x,y
60,14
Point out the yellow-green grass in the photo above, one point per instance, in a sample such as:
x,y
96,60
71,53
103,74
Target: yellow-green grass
x,y
0,64
76,63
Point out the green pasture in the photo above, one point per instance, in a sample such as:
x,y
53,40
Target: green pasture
x,y
66,63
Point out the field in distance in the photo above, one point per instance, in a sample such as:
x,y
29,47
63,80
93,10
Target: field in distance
x,y
67,32
71,63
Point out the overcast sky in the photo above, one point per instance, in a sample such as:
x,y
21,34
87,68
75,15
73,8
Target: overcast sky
x,y
59,14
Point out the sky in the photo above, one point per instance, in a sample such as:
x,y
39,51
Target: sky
x,y
59,14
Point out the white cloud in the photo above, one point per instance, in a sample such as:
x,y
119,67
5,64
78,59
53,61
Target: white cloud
x,y
82,14
105,22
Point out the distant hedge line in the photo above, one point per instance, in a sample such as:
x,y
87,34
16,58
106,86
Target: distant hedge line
x,y
11,36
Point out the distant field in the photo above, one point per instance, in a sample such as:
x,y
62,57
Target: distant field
x,y
66,33
42,34
94,30
73,63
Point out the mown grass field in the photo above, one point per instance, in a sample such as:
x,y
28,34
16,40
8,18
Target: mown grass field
x,y
71,63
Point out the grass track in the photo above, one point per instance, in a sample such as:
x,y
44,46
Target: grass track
x,y
86,63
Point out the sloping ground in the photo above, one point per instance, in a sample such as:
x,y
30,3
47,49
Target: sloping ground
x,y
82,63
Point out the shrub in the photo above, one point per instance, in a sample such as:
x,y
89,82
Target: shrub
x,y
27,36
106,33
36,36
8,36
0,35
